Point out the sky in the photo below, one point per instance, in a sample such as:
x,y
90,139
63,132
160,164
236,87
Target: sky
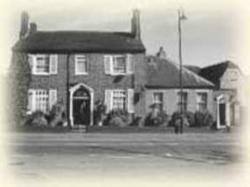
x,y
211,34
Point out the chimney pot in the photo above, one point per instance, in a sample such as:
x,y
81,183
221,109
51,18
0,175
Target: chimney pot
x,y
33,28
161,53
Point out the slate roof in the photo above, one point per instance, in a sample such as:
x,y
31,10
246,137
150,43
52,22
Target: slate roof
x,y
79,41
214,72
195,69
162,73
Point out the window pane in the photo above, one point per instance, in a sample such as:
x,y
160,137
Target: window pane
x,y
42,64
119,64
42,100
158,99
119,99
184,102
202,101
81,64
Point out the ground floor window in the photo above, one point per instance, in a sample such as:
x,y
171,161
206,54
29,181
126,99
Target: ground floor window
x,y
119,99
41,99
202,101
158,99
182,101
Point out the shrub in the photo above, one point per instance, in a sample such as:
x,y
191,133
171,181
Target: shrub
x,y
37,118
118,117
203,119
188,118
156,118
57,116
99,113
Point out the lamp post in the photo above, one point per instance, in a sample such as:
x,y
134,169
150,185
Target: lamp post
x,y
181,17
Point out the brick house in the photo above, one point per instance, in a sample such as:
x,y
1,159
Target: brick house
x,y
79,68
163,87
228,80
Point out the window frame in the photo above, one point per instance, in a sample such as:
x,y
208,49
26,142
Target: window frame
x,y
179,103
124,98
35,72
161,103
115,62
76,60
198,101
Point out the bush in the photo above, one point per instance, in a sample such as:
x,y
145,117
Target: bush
x,y
188,119
99,113
37,118
203,119
157,118
118,118
57,116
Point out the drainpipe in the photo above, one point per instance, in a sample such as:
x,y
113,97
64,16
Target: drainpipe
x,y
67,89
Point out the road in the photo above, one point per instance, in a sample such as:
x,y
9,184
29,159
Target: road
x,y
42,156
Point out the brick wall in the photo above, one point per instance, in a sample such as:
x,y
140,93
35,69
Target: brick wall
x,y
96,77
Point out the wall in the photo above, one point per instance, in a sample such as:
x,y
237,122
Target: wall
x,y
96,77
170,99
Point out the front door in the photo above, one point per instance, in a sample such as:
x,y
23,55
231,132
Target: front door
x,y
81,106
222,113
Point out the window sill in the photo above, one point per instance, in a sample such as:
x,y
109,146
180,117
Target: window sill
x,y
81,73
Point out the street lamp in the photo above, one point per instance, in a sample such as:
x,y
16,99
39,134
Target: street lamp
x,y
181,17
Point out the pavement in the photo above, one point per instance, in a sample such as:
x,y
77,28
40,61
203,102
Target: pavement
x,y
41,156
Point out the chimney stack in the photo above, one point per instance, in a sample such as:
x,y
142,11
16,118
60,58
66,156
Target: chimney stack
x,y
135,24
33,28
24,25
161,53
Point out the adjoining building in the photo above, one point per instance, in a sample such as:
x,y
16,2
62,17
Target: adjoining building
x,y
228,80
163,88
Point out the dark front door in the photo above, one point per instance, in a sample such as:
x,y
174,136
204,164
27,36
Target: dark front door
x,y
222,112
81,107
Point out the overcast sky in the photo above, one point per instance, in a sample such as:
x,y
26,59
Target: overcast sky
x,y
210,34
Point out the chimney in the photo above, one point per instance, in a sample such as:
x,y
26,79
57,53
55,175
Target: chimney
x,y
24,25
161,53
33,28
135,24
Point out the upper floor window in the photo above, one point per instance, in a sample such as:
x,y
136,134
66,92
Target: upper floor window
x,y
80,65
182,101
43,64
118,64
201,101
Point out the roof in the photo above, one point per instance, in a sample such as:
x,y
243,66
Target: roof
x,y
79,41
195,69
214,72
162,73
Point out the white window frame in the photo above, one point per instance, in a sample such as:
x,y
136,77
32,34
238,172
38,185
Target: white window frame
x,y
32,58
76,59
114,61
110,60
179,102
161,103
32,99
198,101
116,91
36,63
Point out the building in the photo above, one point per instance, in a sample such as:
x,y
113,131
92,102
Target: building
x,y
79,68
163,87
228,80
